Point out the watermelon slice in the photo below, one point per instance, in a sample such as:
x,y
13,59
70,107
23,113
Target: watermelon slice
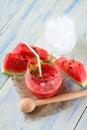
x,y
24,51
44,55
74,69
14,64
47,85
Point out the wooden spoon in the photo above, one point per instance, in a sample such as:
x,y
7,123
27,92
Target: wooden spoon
x,y
28,105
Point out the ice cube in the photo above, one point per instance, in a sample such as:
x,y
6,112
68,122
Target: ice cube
x,y
60,35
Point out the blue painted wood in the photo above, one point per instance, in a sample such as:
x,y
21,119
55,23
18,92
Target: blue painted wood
x,y
9,8
82,121
28,25
70,7
82,124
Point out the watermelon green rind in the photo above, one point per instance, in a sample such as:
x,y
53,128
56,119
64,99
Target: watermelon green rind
x,y
83,81
13,65
12,73
83,84
15,62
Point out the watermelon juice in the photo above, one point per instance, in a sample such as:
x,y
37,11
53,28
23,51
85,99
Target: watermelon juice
x,y
47,85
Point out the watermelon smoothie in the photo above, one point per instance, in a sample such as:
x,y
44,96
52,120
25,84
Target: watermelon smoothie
x,y
47,85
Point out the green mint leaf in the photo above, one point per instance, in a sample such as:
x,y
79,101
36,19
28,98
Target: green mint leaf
x,y
40,63
31,68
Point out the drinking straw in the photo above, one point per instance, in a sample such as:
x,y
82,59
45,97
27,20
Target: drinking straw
x,y
38,59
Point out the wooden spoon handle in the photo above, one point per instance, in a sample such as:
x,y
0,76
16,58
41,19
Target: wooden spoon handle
x,y
62,97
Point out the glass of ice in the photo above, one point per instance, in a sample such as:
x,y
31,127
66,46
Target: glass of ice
x,y
60,35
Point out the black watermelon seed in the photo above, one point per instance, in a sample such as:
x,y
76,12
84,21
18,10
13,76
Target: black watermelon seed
x,y
70,63
34,48
53,75
70,67
26,60
73,60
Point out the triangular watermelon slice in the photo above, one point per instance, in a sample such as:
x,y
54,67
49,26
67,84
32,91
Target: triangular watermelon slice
x,y
44,55
74,69
24,51
14,65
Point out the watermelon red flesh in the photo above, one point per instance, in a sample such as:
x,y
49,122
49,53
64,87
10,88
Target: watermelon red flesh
x,y
14,64
41,52
47,85
24,51
19,59
74,69
48,72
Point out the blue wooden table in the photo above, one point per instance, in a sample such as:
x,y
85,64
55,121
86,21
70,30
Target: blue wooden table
x,y
23,20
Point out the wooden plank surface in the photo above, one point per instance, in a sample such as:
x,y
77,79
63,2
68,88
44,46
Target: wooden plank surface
x,y
27,25
8,9
82,122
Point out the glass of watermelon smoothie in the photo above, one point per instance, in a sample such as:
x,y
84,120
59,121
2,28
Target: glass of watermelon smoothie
x,y
47,85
